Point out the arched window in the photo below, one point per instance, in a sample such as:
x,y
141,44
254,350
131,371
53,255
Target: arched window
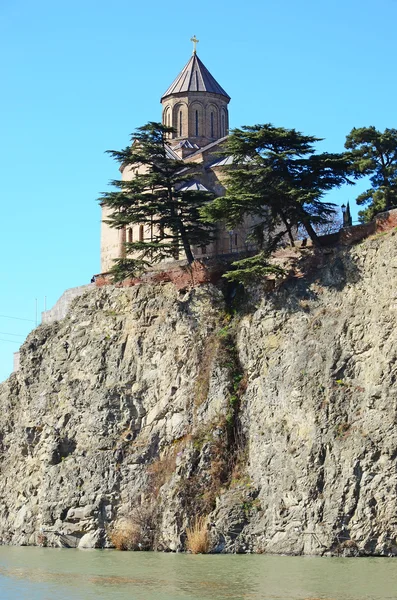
x,y
212,125
197,121
129,235
223,132
167,119
141,234
180,123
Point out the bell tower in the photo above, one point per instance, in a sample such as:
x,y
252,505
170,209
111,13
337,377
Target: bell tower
x,y
195,105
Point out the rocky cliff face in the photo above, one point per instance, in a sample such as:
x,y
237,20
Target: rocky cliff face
x,y
148,406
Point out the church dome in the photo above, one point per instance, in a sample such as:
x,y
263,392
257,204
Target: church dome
x,y
196,106
195,77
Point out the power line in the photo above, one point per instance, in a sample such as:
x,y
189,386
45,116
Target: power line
x,y
12,341
17,318
14,334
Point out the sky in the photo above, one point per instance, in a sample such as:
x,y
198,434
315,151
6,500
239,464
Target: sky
x,y
79,76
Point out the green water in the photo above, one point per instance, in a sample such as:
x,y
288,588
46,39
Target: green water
x,y
48,574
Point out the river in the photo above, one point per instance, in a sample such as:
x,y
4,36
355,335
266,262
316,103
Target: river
x,y
50,574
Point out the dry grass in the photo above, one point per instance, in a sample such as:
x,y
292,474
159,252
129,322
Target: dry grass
x,y
125,535
161,470
207,360
137,530
197,537
42,540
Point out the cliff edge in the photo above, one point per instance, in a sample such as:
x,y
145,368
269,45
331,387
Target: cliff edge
x,y
147,407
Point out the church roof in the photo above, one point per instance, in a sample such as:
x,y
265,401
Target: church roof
x,y
185,144
171,154
193,185
222,162
195,77
208,147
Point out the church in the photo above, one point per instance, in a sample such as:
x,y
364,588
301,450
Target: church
x,y
196,106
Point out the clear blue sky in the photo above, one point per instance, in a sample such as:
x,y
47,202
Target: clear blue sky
x,y
79,76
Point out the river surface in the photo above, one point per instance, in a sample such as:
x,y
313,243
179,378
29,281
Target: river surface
x,y
50,574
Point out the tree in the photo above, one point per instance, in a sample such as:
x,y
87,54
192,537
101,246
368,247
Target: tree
x,y
375,153
251,269
333,224
158,199
278,178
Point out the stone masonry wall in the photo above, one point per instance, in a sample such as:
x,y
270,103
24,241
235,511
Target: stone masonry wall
x,y
60,309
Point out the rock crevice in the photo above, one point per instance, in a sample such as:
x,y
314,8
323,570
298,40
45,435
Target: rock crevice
x,y
147,407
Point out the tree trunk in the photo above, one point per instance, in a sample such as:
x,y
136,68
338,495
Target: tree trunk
x,y
312,234
186,244
288,228
181,228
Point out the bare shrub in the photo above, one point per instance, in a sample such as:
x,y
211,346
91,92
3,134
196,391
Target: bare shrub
x,y
214,466
207,359
161,470
332,225
137,531
42,540
197,537
125,535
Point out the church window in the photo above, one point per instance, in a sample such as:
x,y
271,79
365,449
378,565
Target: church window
x,y
212,124
223,125
235,239
129,235
167,119
141,233
180,123
197,119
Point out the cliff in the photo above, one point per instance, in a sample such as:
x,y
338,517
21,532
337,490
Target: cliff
x,y
148,406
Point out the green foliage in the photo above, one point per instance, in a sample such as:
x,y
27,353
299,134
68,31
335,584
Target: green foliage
x,y
128,267
252,269
208,356
374,153
277,178
223,332
155,198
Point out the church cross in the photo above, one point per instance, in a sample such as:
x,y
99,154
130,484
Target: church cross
x,y
195,42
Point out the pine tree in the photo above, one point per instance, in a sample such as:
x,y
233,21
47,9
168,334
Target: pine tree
x,y
157,199
375,154
277,177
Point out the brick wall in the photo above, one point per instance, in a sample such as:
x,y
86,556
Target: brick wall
x,y
351,235
386,221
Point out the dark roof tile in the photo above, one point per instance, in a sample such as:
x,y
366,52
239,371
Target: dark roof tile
x,y
195,77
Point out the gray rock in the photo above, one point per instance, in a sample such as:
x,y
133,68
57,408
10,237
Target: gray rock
x,y
121,413
90,540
